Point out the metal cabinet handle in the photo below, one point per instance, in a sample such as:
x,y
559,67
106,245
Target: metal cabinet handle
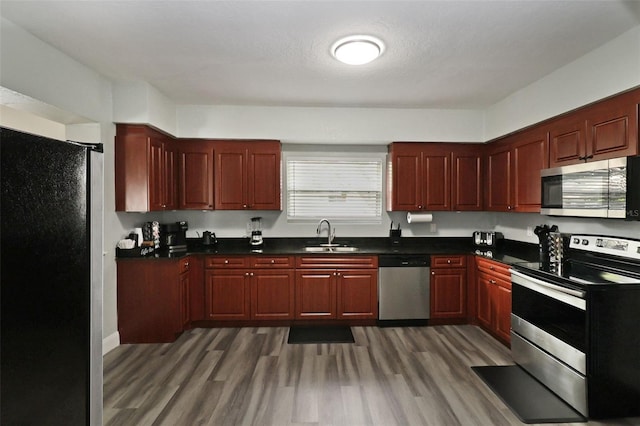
x,y
226,261
492,281
449,261
273,261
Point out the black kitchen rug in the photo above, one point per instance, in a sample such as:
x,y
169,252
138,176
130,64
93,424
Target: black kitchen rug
x,y
320,334
527,398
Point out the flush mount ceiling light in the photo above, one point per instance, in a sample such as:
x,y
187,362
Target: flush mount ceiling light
x,y
357,49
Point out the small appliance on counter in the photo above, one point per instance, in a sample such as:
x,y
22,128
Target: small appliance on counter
x,y
173,236
209,238
255,227
395,235
488,239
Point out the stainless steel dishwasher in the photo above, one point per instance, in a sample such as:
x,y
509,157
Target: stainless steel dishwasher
x,y
403,289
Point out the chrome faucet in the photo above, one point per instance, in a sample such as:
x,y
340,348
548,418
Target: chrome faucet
x,y
331,232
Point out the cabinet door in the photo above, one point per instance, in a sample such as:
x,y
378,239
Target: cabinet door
x,y
405,191
357,293
483,294
156,174
263,177
448,293
230,176
170,176
530,155
466,182
567,141
272,294
436,179
612,128
315,294
498,193
185,300
227,295
503,312
196,175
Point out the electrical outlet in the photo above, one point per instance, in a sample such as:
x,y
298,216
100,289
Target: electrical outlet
x,y
433,227
529,231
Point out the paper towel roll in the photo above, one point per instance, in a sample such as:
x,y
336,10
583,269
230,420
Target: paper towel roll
x,y
419,217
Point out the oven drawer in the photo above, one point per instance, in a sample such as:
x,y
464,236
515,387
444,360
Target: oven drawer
x,y
562,380
564,352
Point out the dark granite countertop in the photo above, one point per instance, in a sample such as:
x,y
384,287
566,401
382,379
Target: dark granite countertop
x,y
508,252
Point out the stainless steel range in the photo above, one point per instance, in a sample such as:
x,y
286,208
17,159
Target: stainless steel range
x,y
576,328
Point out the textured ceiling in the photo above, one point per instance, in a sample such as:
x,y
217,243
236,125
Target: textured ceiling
x,y
440,54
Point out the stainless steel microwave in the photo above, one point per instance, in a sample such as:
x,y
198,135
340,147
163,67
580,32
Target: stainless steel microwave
x,y
607,188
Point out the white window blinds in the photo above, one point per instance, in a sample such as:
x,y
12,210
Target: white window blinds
x,y
335,188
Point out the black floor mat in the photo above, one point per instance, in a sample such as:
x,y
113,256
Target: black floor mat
x,y
529,400
320,334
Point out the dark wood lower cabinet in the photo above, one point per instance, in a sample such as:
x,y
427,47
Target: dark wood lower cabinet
x,y
227,295
315,294
153,299
493,292
357,294
272,294
448,288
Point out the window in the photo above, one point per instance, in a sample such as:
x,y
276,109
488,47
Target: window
x,y
334,188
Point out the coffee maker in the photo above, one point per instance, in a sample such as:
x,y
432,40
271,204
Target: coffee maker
x,y
173,237
255,240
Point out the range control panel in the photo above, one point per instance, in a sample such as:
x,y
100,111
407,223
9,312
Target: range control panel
x,y
616,246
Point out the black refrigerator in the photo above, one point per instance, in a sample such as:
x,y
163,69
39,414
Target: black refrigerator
x,y
51,281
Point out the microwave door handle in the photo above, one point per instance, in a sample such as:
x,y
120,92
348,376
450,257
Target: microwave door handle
x,y
563,294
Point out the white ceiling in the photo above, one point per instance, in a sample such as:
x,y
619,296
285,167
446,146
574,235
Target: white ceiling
x,y
440,54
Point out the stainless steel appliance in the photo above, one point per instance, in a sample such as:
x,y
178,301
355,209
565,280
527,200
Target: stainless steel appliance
x,y
575,328
51,273
403,289
487,238
607,188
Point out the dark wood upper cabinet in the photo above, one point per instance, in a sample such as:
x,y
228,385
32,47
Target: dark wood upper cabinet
x,y
433,177
530,155
466,178
144,169
603,130
196,175
247,175
513,170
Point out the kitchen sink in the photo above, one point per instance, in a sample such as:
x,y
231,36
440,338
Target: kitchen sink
x,y
325,248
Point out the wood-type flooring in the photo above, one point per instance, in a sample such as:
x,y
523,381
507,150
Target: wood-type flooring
x,y
251,376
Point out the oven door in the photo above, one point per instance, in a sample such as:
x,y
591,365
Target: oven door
x,y
549,336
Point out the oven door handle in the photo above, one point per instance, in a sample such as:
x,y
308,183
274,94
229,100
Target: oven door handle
x,y
563,294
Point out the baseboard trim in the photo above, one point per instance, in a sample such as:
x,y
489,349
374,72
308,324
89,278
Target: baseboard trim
x,y
110,342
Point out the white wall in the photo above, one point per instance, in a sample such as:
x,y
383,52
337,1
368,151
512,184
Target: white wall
x,y
365,126
612,68
139,102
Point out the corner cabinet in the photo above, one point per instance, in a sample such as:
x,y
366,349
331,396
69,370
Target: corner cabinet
x,y
247,175
145,169
153,299
513,171
336,287
493,293
434,177
448,288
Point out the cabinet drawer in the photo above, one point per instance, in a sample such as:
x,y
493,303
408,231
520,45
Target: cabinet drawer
x,y
337,261
271,262
495,280
183,265
225,262
492,267
454,261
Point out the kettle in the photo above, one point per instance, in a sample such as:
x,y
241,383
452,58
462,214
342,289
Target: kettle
x,y
209,238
